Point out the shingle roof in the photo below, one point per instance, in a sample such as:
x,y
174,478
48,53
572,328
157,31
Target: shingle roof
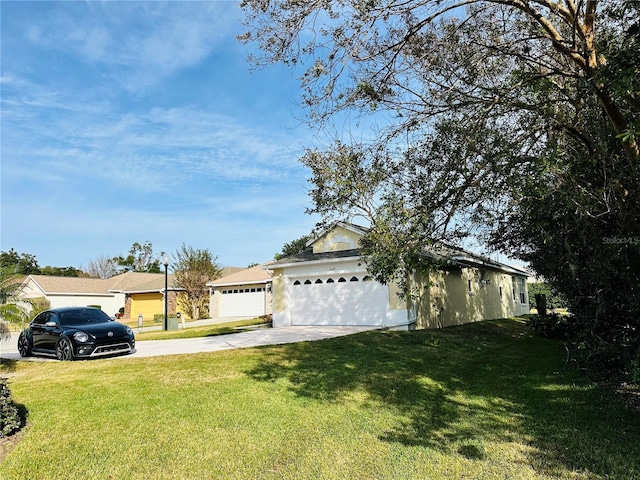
x,y
53,285
444,254
128,280
256,274
125,282
153,284
309,256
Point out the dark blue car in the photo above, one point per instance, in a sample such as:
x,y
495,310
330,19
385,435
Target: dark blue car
x,y
75,332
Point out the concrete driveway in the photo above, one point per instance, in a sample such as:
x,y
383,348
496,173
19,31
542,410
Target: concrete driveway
x,y
251,338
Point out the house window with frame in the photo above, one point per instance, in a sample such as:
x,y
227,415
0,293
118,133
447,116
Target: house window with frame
x,y
522,290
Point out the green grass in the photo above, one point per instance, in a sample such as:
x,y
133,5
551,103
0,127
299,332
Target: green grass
x,y
197,332
481,401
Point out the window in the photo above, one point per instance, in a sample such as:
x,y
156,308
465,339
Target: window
x,y
368,278
318,281
341,280
354,279
469,286
297,282
522,287
42,318
307,282
330,280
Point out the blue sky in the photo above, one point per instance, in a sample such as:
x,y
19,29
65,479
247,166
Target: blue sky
x,y
128,122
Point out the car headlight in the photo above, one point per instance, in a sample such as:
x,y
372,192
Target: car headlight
x,y
80,337
128,330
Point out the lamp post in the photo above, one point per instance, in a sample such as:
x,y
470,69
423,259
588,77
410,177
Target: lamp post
x,y
165,262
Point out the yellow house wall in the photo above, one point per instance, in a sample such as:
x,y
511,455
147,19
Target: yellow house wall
x,y
396,302
337,240
278,290
443,298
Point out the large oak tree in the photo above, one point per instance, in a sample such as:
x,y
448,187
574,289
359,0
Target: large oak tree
x,y
516,121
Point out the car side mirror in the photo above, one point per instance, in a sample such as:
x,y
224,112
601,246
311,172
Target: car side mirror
x,y
51,324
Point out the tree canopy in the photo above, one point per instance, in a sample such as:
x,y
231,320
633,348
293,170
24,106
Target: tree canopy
x,y
26,264
513,121
193,268
140,259
294,246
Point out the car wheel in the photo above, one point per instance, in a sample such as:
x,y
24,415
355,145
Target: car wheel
x,y
24,344
64,351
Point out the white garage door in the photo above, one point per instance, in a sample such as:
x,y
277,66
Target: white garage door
x,y
342,300
242,303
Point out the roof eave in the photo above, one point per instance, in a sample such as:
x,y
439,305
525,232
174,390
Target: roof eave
x,y
321,261
245,282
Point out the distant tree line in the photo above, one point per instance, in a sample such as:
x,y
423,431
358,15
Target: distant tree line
x,y
26,264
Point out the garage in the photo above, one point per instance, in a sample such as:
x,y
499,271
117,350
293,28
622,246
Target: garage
x,y
345,299
146,304
242,302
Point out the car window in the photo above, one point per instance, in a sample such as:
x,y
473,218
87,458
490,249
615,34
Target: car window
x,y
41,319
83,316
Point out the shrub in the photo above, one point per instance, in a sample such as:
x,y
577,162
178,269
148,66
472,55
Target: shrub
x,y
554,299
5,333
159,317
10,419
552,325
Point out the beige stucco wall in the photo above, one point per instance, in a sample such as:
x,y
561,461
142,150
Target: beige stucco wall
x,y
109,303
396,301
458,296
278,290
336,240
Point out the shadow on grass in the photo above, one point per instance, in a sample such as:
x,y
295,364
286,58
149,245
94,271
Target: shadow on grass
x,y
7,365
462,386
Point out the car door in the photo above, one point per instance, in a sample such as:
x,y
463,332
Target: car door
x,y
51,332
38,330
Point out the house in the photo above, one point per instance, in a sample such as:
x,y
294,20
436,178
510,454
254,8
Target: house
x,y
72,292
146,296
328,284
244,293
138,293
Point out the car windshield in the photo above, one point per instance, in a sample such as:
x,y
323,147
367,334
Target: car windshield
x,y
83,317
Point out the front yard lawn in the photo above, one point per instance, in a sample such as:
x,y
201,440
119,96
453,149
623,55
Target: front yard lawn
x,y
201,331
480,401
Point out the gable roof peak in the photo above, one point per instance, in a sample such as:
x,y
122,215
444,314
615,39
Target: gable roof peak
x,y
357,229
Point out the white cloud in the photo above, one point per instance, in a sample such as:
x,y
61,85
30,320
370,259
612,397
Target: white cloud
x,y
139,43
99,164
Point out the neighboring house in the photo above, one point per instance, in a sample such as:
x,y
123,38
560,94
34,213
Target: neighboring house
x,y
138,293
146,296
72,292
244,293
328,284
